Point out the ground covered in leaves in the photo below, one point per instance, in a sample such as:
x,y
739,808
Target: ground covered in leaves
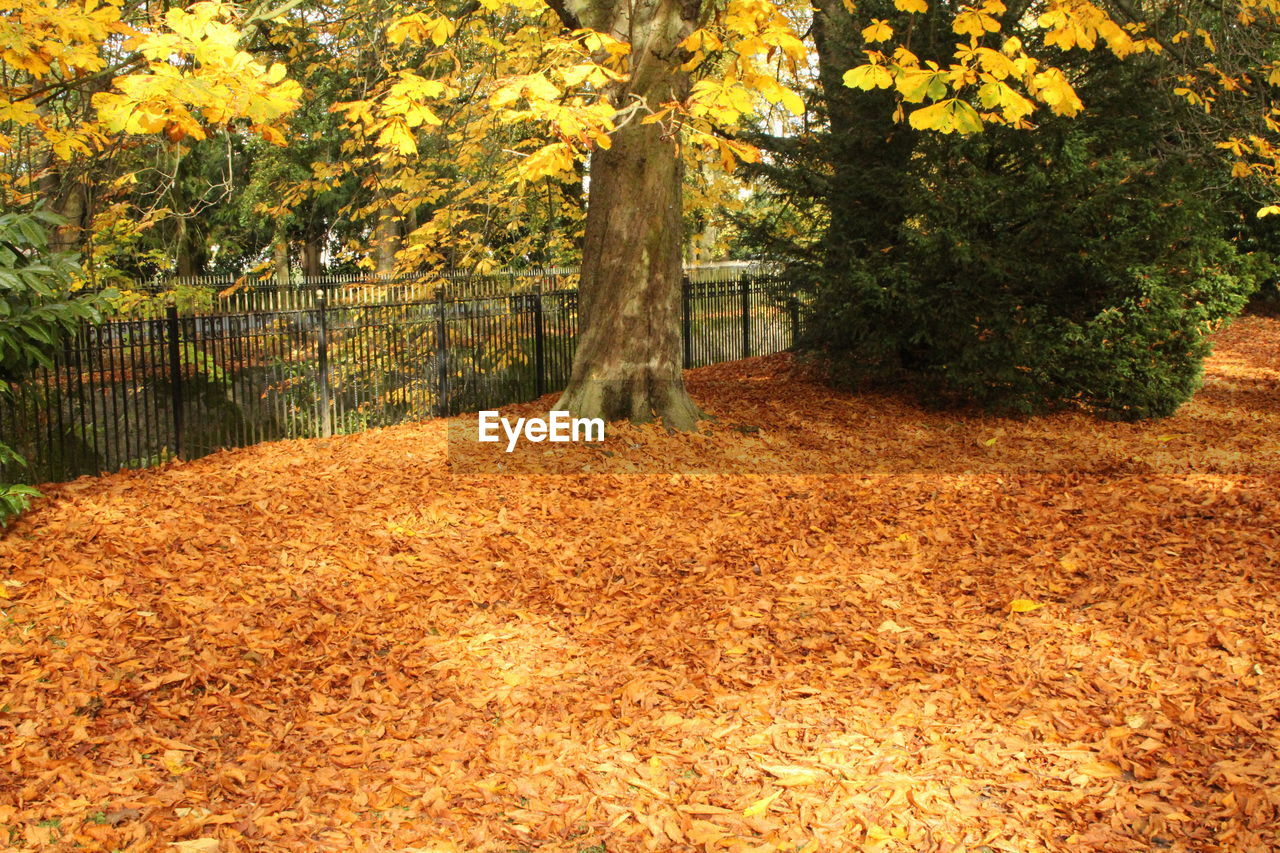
x,y
931,632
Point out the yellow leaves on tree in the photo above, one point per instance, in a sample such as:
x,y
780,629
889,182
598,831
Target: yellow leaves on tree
x,y
422,27
1081,24
755,45
392,117
1052,87
44,46
724,100
196,76
1006,82
39,38
553,159
408,97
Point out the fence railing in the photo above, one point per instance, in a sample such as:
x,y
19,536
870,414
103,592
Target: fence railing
x,y
228,294
134,392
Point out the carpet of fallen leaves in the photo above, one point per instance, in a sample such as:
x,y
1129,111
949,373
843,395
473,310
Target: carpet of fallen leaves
x,y
953,632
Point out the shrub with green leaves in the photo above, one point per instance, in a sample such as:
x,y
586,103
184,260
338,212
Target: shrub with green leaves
x,y
1066,266
37,307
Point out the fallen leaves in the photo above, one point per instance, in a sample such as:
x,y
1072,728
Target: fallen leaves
x,y
345,644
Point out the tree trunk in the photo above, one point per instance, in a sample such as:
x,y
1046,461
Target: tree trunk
x,y
311,256
386,242
72,204
188,246
629,357
280,257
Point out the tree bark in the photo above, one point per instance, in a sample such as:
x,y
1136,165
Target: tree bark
x,y
311,257
189,247
68,197
386,242
74,208
280,258
629,357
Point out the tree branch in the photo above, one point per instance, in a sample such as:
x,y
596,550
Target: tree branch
x,y
566,15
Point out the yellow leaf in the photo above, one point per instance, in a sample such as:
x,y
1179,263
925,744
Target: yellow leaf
x,y
420,27
791,775
1101,770
1023,605
950,116
974,23
441,28
20,112
879,30
1053,88
175,761
270,134
398,137
914,6
197,845
918,84
555,158
761,805
868,77
793,102
1269,210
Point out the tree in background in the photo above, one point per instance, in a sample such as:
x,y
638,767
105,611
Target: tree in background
x,y
1084,260
96,99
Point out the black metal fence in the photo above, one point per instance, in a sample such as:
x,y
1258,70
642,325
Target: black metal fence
x,y
135,392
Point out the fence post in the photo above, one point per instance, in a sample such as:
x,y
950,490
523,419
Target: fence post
x,y
686,319
745,285
326,409
442,356
172,330
793,304
539,356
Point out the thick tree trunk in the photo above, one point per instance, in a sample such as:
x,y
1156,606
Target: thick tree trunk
x,y
629,357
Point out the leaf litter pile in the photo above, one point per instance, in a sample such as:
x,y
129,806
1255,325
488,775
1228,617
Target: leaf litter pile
x,y
936,632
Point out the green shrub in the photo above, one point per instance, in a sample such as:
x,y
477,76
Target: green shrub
x,y
37,307
1036,270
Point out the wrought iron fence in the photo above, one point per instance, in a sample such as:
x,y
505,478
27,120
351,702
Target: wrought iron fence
x,y
136,391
